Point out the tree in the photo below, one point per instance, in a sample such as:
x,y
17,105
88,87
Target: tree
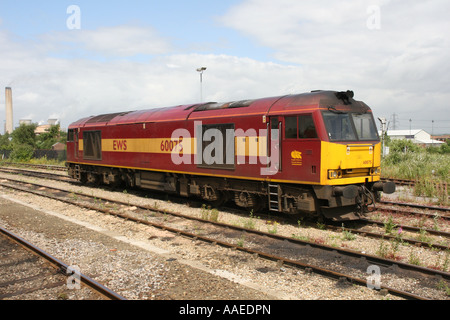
x,y
23,142
24,135
47,139
5,142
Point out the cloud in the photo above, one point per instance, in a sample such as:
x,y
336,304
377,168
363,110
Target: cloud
x,y
402,67
46,85
395,65
116,41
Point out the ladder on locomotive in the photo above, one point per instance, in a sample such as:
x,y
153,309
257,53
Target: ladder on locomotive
x,y
274,192
77,172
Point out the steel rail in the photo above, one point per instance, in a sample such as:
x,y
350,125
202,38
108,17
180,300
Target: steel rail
x,y
387,236
412,213
62,266
39,174
413,205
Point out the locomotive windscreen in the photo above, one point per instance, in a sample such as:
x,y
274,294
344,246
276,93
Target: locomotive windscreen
x,y
350,126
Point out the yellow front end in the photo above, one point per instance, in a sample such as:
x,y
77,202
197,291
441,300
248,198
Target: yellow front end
x,y
350,163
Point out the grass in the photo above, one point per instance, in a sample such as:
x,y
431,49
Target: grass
x,y
430,170
209,214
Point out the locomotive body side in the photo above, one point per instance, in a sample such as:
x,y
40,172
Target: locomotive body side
x,y
278,153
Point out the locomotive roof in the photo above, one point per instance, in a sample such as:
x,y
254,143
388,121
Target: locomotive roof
x,y
265,106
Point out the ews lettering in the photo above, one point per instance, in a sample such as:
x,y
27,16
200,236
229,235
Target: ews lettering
x,y
120,145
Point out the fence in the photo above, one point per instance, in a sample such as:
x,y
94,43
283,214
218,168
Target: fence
x,y
60,155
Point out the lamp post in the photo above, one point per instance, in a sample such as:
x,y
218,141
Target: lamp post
x,y
200,70
432,133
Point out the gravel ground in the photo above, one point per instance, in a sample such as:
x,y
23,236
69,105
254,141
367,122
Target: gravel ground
x,y
141,262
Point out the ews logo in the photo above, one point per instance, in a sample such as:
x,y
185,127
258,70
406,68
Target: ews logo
x,y
120,145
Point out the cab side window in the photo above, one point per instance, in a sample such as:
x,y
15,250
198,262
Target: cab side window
x,y
71,135
306,127
300,127
290,128
92,141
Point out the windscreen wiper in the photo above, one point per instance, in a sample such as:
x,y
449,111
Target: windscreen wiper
x,y
334,110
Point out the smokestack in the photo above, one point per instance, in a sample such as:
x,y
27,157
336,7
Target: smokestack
x,y
9,111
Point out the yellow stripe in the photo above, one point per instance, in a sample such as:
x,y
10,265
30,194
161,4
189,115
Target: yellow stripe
x,y
152,145
244,146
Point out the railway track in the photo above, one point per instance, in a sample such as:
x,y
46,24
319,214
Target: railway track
x,y
405,182
445,211
36,166
380,234
28,271
244,235
289,251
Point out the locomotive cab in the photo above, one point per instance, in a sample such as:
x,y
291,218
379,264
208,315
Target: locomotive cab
x,y
351,160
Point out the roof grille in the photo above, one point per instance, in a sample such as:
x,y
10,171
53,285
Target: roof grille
x,y
106,117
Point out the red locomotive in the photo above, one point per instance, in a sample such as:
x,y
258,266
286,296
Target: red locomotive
x,y
316,153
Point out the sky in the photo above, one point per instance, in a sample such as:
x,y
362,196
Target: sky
x,y
68,60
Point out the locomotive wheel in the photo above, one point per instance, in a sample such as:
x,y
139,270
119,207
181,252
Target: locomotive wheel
x,y
249,201
222,198
83,178
92,178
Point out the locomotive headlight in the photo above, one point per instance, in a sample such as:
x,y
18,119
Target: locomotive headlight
x,y
375,171
334,174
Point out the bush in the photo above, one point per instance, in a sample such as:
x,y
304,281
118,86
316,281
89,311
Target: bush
x,y
403,145
442,149
22,153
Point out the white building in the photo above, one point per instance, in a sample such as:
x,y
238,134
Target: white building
x,y
417,136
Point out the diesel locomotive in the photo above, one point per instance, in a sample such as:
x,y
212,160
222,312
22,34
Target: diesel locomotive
x,y
316,153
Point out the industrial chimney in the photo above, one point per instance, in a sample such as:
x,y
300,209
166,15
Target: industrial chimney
x,y
9,111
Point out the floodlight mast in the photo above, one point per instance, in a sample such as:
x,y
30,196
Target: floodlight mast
x,y
201,70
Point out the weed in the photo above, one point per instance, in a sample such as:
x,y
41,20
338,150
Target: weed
x,y
413,258
347,235
240,242
436,222
272,229
442,285
389,226
209,214
320,225
250,223
424,237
